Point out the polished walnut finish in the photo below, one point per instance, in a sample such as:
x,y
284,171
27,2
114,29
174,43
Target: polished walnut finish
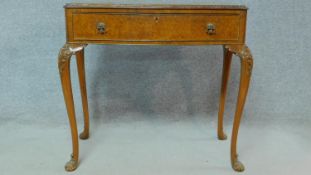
x,y
149,25
178,25
154,28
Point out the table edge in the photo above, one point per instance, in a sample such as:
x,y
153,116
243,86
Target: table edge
x,y
154,6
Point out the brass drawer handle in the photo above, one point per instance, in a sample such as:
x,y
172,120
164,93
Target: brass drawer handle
x,y
211,29
101,28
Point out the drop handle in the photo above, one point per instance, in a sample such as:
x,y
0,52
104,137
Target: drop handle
x,y
101,28
211,29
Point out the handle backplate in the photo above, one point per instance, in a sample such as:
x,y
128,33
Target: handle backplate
x,y
101,27
211,29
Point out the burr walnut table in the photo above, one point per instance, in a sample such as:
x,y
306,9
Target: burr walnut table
x,y
155,25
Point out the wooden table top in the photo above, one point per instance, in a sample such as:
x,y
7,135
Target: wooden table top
x,y
155,6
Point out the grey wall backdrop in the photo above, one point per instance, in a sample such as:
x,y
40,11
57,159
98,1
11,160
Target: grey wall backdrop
x,y
173,81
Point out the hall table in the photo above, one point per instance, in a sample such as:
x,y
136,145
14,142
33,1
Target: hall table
x,y
155,25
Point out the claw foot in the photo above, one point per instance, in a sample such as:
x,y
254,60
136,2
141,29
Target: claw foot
x,y
71,165
222,136
84,135
238,166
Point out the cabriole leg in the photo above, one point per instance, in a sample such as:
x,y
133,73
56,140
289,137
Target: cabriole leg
x,y
81,72
246,70
223,92
64,57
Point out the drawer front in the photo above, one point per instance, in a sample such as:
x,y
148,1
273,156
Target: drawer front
x,y
157,27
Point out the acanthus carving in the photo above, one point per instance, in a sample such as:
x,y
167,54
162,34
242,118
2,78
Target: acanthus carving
x,y
66,52
245,55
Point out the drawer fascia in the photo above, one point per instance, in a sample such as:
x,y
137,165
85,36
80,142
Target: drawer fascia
x,y
70,33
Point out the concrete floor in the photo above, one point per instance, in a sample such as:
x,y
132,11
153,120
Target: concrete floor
x,y
142,146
